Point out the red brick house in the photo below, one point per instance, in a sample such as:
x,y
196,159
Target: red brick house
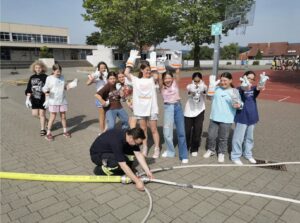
x,y
269,50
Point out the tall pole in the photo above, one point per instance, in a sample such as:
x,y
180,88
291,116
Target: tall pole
x,y
216,55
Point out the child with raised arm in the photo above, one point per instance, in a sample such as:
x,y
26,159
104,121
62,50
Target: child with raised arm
x,y
144,104
194,112
99,77
225,101
245,119
110,98
173,114
56,102
35,96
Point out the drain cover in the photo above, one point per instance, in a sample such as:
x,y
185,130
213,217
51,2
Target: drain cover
x,y
281,167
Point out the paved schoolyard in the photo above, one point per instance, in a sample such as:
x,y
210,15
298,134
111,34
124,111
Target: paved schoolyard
x,y
23,150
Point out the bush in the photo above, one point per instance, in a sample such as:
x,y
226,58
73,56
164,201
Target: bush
x,y
255,62
45,52
228,63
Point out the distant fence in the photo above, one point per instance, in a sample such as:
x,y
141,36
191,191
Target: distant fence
x,y
209,63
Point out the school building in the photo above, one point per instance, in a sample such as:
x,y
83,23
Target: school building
x,y
21,43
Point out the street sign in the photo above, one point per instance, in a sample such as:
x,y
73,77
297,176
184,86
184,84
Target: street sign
x,y
216,29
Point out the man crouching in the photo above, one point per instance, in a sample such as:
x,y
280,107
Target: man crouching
x,y
113,152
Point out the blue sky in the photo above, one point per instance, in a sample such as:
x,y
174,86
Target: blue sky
x,y
275,20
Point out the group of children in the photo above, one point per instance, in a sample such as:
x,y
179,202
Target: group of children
x,y
229,105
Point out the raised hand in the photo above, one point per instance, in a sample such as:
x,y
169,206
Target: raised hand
x,y
161,68
175,61
263,80
212,85
132,58
152,61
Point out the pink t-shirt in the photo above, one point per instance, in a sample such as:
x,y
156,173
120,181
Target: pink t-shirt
x,y
170,94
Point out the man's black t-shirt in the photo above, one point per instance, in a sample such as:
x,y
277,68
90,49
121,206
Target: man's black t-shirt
x,y
113,141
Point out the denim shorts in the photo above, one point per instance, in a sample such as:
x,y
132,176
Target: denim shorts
x,y
98,104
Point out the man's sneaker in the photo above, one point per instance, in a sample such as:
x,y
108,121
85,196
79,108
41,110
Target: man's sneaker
x,y
184,161
49,137
208,154
156,153
194,153
237,162
67,135
221,158
252,160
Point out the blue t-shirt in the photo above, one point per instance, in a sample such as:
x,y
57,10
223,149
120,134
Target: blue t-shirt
x,y
249,114
222,109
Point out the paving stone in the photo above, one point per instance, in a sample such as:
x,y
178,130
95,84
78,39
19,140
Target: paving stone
x,y
120,201
276,207
265,216
102,209
189,217
203,209
57,218
177,195
214,216
42,204
90,204
54,209
75,211
90,216
186,203
41,195
109,218
78,219
173,211
5,208
4,218
31,218
19,203
125,211
246,213
106,197
18,213
234,219
290,216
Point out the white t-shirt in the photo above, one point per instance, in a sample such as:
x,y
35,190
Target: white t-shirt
x,y
196,101
56,88
144,97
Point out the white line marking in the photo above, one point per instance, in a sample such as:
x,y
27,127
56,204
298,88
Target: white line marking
x,y
283,99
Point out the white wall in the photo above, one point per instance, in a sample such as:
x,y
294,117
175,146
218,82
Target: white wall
x,y
103,54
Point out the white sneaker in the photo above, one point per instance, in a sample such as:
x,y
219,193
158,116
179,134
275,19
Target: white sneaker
x,y
194,153
237,162
208,154
184,161
252,160
165,155
221,158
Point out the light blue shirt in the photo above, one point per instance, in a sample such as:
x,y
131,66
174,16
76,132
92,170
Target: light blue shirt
x,y
222,109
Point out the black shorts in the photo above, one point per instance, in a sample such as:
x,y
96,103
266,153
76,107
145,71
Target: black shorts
x,y
37,104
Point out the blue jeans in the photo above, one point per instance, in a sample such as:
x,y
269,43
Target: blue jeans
x,y
242,141
111,116
173,113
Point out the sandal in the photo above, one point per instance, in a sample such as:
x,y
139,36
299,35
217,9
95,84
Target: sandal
x,y
156,153
43,132
67,135
49,137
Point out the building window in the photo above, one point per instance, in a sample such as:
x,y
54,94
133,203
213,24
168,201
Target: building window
x,y
118,56
4,36
55,39
24,37
168,56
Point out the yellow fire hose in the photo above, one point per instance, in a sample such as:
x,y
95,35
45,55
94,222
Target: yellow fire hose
x,y
65,178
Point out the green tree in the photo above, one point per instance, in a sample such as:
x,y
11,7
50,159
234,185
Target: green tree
x,y
230,51
258,55
45,52
131,23
93,39
195,17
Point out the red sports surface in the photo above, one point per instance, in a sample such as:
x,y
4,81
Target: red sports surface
x,y
283,86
